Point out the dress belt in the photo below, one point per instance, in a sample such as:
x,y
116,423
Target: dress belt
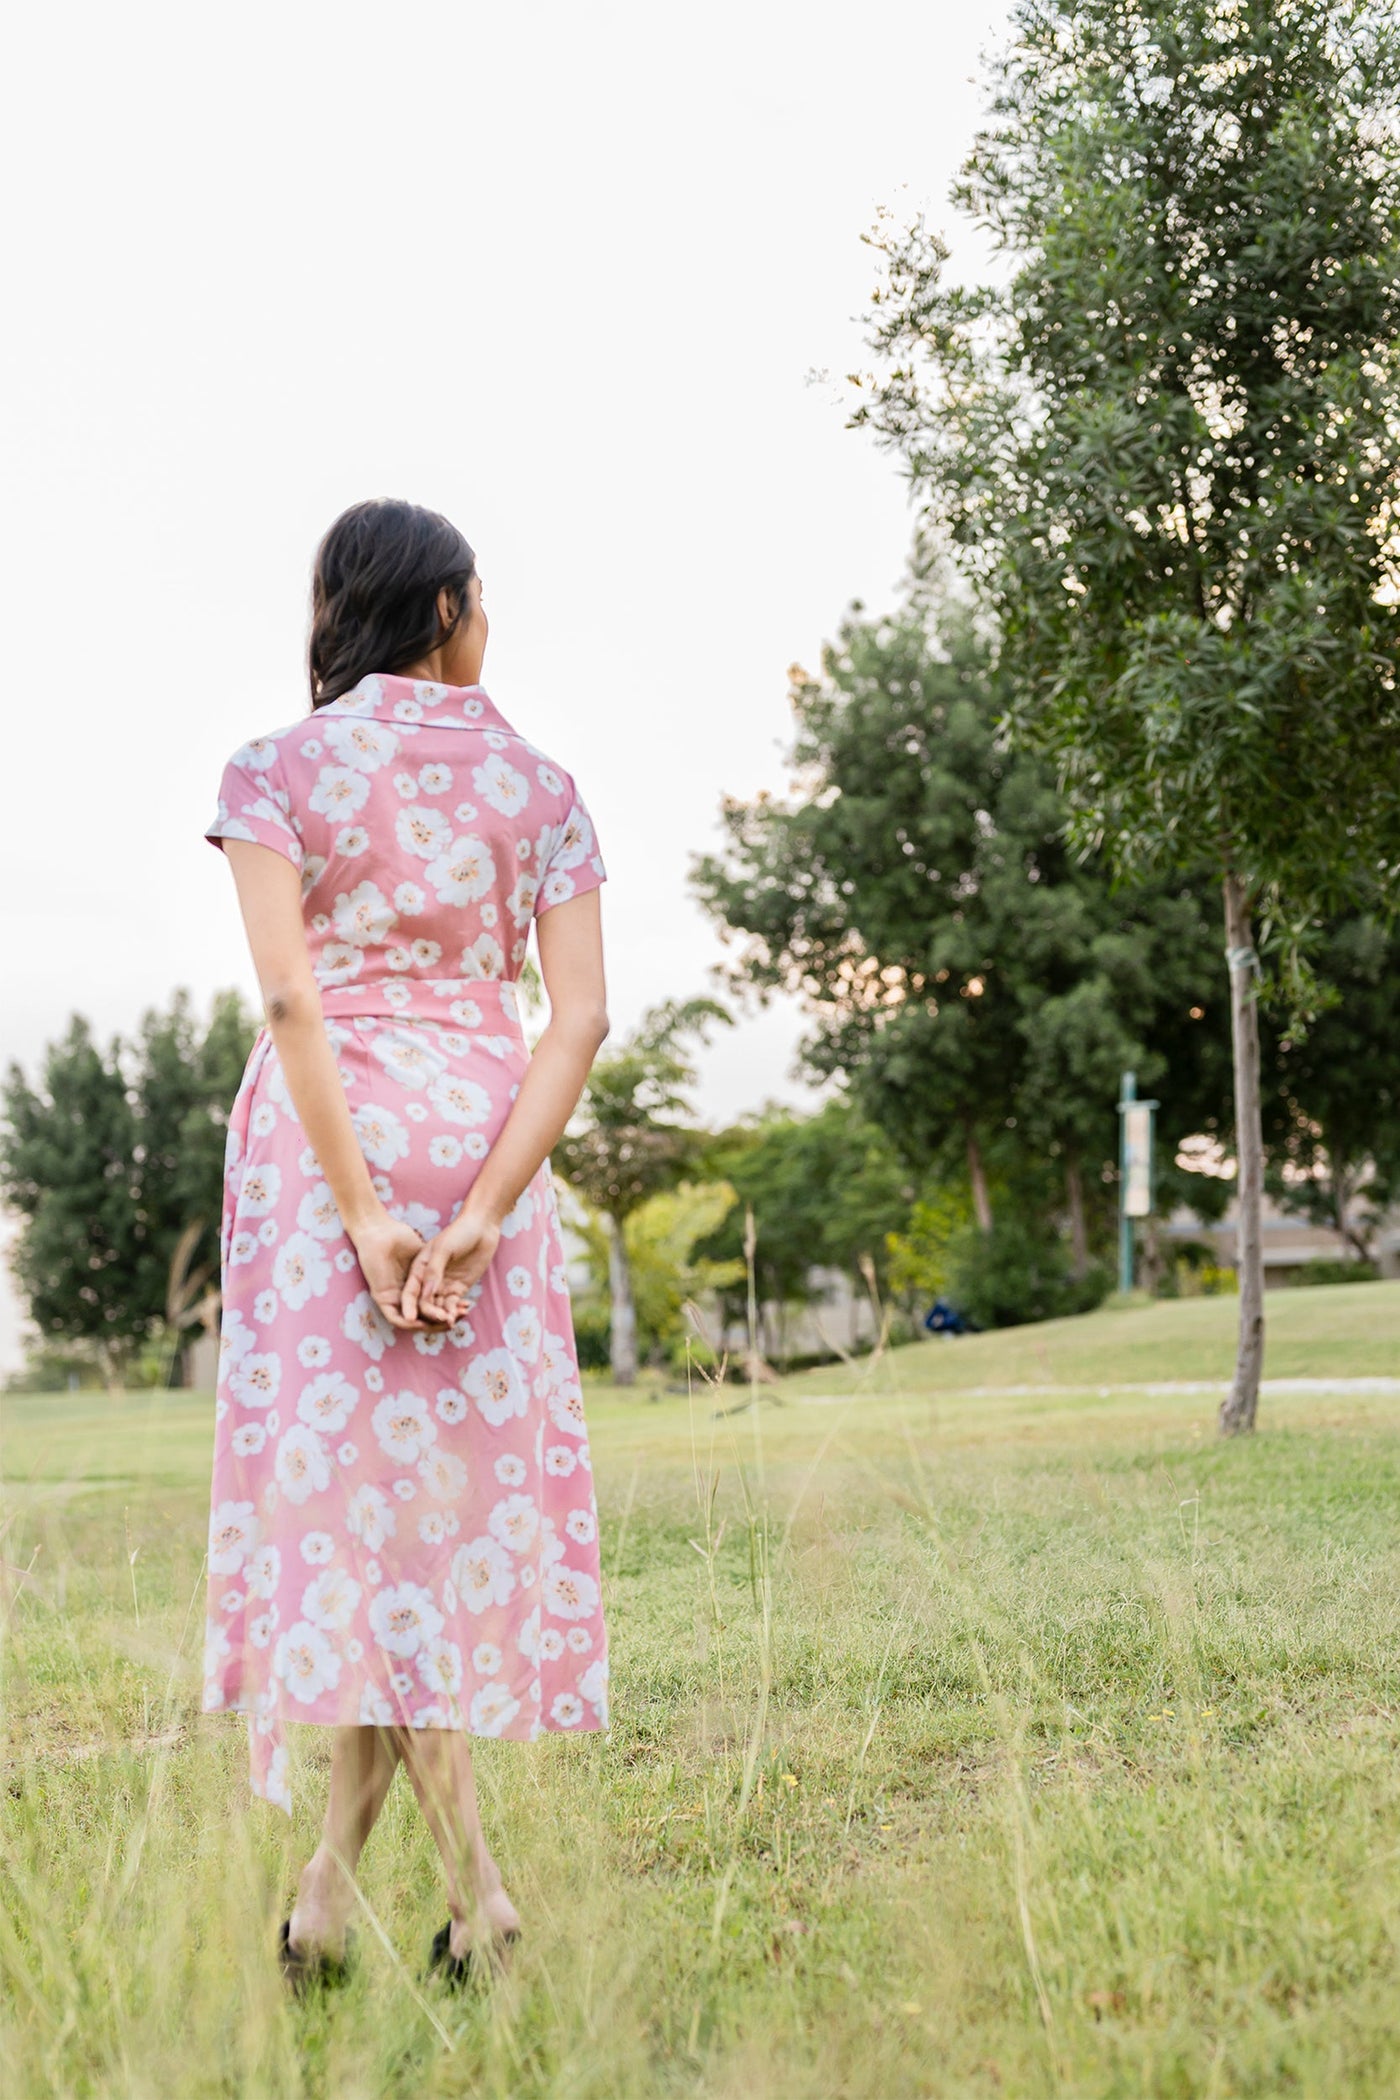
x,y
475,1005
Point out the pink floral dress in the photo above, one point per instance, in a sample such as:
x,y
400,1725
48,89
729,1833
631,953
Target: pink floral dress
x,y
403,1527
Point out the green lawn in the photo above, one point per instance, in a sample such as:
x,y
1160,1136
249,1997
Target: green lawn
x,y
1000,1745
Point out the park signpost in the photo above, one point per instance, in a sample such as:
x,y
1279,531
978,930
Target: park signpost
x,y
1135,1189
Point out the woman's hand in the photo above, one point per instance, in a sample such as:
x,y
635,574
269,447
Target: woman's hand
x,y
386,1251
444,1271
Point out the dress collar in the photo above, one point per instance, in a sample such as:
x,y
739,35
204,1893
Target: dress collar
x,y
390,698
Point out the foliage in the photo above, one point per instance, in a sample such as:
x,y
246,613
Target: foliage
x,y
981,988
635,1131
1332,1102
1333,1272
1018,1272
663,1239
109,1160
825,1190
1164,443
918,1256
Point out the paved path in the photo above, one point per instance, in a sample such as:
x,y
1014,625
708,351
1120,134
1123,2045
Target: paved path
x,y
1269,1387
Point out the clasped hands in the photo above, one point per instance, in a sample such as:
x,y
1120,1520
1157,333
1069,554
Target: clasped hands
x,y
421,1285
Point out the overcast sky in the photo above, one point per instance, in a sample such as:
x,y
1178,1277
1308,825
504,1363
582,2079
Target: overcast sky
x,y
563,272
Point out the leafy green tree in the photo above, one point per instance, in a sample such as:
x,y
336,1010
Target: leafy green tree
x,y
666,1242
1163,444
634,1136
1332,1101
825,1190
979,987
67,1167
114,1163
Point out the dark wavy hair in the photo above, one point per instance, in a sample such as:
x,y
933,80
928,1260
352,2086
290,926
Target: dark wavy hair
x,y
374,592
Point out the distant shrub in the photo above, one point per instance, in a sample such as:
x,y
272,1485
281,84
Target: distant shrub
x,y
1018,1272
1206,1279
1336,1272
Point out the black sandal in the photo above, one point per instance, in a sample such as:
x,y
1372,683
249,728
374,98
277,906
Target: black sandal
x,y
469,1967
304,1972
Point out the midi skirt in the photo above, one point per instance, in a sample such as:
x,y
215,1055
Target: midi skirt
x,y
403,1528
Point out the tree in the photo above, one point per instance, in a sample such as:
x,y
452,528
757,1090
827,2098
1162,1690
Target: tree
x,y
1332,1098
979,988
825,1190
114,1162
1163,447
634,1136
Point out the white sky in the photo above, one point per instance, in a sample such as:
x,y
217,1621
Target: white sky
x,y
560,271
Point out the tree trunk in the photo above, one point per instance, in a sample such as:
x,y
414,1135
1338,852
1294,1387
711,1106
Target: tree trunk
x,y
977,1175
623,1342
1241,1403
1078,1226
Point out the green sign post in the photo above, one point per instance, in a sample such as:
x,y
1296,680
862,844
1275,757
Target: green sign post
x,y
1135,1190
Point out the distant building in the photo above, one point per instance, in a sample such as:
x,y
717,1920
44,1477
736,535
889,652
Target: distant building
x,y
1289,1241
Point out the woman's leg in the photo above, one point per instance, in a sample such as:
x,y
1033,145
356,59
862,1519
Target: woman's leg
x,y
439,1763
363,1762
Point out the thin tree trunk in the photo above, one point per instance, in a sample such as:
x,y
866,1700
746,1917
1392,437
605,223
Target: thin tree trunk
x,y
977,1175
623,1342
1240,1405
1078,1226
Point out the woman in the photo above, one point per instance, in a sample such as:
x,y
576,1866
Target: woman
x,y
403,1538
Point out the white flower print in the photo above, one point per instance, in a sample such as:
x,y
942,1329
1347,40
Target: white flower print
x,y
444,1151
265,1307
317,1214
425,833
482,1574
443,1474
594,1686
376,1709
329,1600
486,1658
255,1381
317,1547
242,1248
268,1233
405,785
301,1465
233,1533
405,1490
521,901
300,1271
567,1709
363,915
515,1521
435,779
466,812
566,1411
364,1324
347,1453
581,1527
432,1529
403,1616
328,1402
364,745
352,841
556,888
440,1667
263,1121
339,792
520,1217
338,962
523,1333
492,1709
258,755
383,1139
463,871
527,1640
459,1100
569,1593
551,1644
474,1146
409,1059
579,1639
409,900
313,1351
450,1405
261,1628
518,1281
248,1439
306,1662
402,1426
369,1517
495,1383
262,1185
499,784
484,958
510,1469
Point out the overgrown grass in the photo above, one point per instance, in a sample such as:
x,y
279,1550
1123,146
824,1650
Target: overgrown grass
x,y
1030,1746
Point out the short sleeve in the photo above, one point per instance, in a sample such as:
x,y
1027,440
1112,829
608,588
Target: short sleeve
x,y
573,864
252,803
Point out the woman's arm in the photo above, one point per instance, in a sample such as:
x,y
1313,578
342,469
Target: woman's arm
x,y
269,894
571,960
